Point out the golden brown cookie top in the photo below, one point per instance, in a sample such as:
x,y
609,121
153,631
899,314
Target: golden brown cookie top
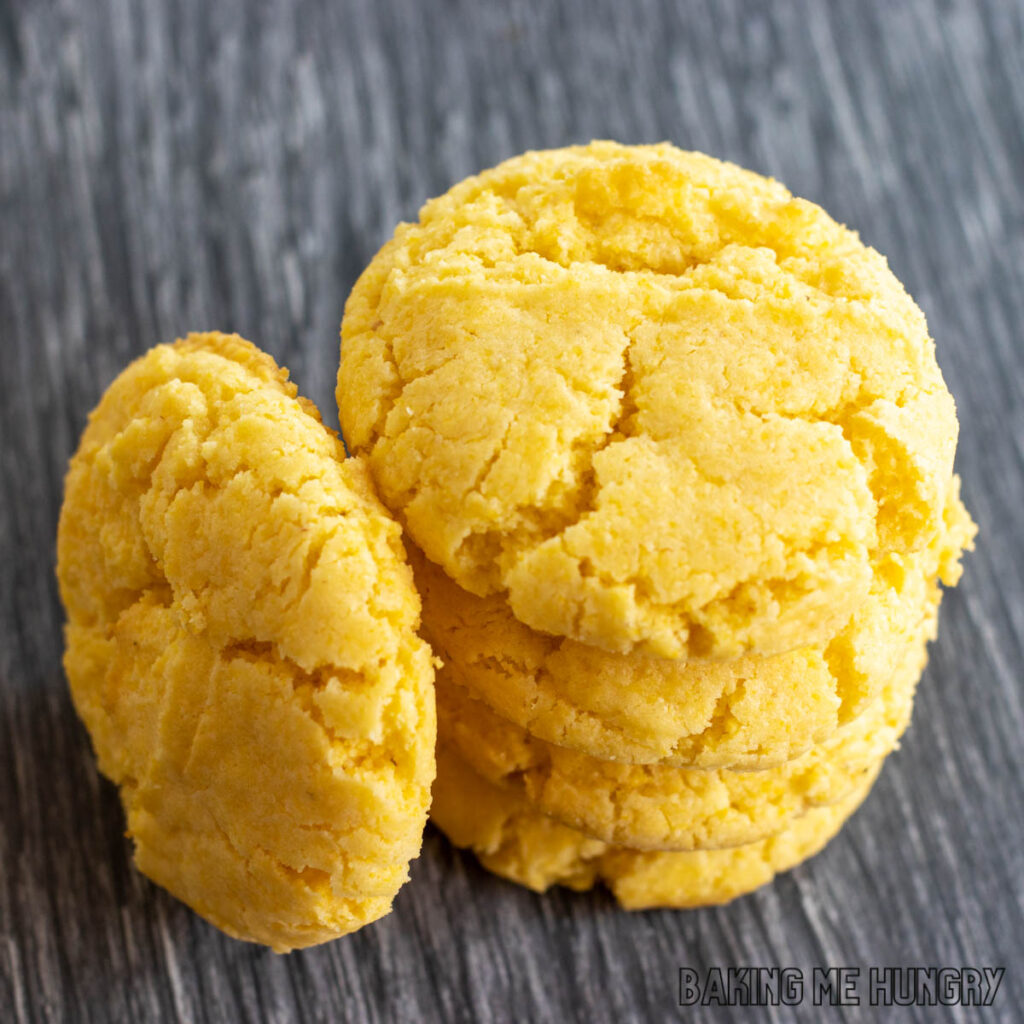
x,y
654,399
242,645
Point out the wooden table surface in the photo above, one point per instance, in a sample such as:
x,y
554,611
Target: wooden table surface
x,y
168,165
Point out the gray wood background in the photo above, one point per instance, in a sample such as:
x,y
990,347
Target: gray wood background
x,y
168,165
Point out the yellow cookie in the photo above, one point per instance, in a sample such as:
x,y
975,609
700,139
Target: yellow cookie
x,y
663,807
658,402
241,645
514,840
751,712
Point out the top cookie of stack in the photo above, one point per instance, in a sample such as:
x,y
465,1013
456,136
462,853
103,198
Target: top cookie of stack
x,y
660,404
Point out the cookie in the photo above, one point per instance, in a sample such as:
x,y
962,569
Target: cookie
x,y
653,399
242,647
663,807
517,842
752,712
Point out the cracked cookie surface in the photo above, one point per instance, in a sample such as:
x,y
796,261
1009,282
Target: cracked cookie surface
x,y
516,841
664,807
655,400
751,712
242,647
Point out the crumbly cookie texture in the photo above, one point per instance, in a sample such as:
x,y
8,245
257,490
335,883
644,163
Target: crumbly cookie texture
x,y
241,645
752,712
663,807
658,402
516,841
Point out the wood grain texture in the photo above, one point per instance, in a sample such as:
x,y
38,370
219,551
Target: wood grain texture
x,y
168,165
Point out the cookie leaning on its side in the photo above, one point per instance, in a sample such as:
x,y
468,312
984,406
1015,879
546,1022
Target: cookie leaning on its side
x,y
241,645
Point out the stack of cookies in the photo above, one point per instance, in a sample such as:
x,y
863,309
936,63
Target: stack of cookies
x,y
674,460
674,464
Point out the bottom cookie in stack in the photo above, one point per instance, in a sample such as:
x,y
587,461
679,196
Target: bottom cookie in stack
x,y
514,839
658,807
